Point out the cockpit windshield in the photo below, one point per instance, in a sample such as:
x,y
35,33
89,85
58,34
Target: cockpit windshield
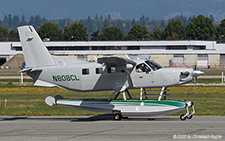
x,y
153,65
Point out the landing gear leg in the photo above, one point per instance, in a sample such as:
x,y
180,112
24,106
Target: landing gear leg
x,y
193,111
188,115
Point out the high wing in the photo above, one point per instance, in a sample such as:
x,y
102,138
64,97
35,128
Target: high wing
x,y
116,61
123,66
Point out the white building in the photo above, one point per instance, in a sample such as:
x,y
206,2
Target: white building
x,y
167,53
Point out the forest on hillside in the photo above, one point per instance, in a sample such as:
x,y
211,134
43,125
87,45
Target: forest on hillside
x,y
105,28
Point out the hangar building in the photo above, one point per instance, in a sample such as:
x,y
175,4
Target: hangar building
x,y
184,53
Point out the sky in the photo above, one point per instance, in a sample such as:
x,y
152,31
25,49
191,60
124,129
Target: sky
x,y
123,9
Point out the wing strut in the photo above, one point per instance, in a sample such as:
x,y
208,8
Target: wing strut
x,y
113,95
118,93
161,93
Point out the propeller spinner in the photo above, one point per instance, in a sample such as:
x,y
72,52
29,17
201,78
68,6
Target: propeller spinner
x,y
197,73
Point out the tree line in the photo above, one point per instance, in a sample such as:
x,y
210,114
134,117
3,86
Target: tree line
x,y
177,28
199,28
9,24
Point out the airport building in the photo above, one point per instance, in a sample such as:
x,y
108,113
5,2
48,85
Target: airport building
x,y
184,53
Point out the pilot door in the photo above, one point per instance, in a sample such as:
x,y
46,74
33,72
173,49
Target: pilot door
x,y
142,76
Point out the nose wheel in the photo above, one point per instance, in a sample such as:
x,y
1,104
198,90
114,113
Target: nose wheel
x,y
188,115
117,117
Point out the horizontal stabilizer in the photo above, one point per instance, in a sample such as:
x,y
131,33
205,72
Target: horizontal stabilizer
x,y
43,83
30,70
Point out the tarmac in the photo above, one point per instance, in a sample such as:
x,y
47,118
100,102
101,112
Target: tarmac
x,y
97,128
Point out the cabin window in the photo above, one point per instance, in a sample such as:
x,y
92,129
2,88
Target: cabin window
x,y
85,71
142,68
111,69
98,70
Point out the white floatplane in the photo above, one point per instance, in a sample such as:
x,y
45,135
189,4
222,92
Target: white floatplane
x,y
107,73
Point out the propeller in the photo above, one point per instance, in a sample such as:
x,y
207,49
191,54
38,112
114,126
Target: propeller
x,y
196,73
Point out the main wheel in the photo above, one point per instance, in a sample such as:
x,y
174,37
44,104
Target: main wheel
x,y
117,117
183,117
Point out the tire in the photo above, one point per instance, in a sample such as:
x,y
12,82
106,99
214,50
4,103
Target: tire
x,y
190,117
182,117
57,97
117,117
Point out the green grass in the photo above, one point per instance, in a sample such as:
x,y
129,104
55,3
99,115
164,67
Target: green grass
x,y
6,72
22,101
16,80
213,71
208,102
208,80
30,100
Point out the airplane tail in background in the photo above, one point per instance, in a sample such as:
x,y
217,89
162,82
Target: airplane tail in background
x,y
35,52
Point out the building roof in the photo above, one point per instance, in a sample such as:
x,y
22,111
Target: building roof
x,y
122,47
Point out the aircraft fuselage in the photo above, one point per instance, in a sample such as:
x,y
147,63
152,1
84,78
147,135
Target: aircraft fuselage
x,y
92,76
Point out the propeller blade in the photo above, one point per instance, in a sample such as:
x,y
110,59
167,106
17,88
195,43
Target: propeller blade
x,y
196,73
195,81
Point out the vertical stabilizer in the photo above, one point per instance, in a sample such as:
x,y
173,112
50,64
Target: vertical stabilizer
x,y
35,52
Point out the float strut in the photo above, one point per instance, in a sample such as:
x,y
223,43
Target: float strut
x,y
165,93
161,93
113,95
117,95
128,94
145,93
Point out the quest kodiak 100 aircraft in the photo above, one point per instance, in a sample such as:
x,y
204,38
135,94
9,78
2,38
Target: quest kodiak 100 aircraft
x,y
108,73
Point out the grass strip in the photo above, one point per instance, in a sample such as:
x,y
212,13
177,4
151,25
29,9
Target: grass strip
x,y
29,100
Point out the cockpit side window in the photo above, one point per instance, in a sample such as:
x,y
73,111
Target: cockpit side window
x,y
142,68
153,65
